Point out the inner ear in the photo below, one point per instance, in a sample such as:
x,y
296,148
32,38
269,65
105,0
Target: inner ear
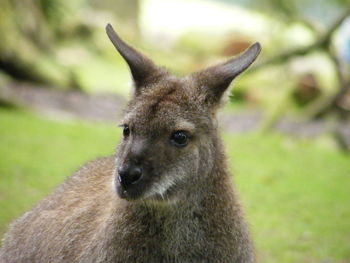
x,y
143,70
213,81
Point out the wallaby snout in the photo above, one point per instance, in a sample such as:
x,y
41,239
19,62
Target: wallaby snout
x,y
129,180
129,174
133,173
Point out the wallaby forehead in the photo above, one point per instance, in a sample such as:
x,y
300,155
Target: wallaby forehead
x,y
163,107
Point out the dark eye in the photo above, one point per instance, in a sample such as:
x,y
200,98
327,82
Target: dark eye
x,y
126,131
179,138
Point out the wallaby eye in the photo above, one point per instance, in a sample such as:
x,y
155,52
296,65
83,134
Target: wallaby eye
x,y
179,138
126,130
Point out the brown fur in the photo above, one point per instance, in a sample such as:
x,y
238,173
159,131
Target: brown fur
x,y
184,209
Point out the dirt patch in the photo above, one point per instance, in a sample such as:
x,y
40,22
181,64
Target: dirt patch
x,y
64,104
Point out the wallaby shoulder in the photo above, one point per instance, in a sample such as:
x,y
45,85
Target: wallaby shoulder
x,y
63,222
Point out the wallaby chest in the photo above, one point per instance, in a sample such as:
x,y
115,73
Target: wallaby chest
x,y
174,236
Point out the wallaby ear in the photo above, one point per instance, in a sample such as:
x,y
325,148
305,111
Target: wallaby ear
x,y
214,80
141,67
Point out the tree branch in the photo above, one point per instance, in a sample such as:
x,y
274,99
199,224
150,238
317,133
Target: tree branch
x,y
323,42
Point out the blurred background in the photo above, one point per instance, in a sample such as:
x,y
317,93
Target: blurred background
x,y
286,123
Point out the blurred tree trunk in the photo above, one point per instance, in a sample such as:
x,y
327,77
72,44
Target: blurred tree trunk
x,y
21,71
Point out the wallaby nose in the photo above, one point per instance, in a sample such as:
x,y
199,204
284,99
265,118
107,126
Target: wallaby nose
x,y
129,174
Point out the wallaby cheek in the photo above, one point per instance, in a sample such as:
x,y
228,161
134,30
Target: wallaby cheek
x,y
120,151
206,157
186,166
176,167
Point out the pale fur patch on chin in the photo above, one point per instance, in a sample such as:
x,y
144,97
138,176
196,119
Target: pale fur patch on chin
x,y
113,186
161,188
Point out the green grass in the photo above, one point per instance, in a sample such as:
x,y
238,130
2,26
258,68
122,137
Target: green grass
x,y
37,154
296,193
297,197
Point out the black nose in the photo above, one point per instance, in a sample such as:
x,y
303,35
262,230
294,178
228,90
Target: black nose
x,y
129,174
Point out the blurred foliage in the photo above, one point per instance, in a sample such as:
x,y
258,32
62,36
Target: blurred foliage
x,y
46,41
29,30
291,10
62,44
320,21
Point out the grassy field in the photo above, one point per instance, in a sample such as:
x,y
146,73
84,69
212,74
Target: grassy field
x,y
296,193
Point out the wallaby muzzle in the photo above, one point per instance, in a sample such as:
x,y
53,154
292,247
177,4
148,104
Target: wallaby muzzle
x,y
129,174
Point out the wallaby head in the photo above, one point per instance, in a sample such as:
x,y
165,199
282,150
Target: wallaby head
x,y
169,128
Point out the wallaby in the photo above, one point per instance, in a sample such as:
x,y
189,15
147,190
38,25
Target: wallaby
x,y
166,196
